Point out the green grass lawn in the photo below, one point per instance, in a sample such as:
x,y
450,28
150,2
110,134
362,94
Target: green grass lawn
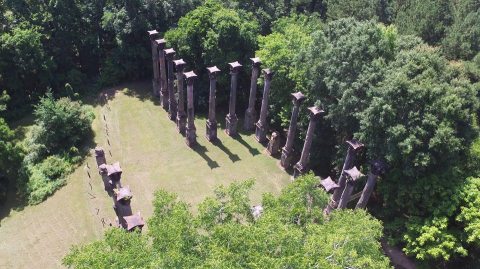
x,y
153,155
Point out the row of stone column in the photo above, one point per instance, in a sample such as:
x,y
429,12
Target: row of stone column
x,y
176,109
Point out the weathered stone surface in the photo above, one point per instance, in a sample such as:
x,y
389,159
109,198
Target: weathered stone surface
x,y
162,75
181,115
153,34
274,144
302,166
262,124
211,132
353,175
172,103
231,118
377,168
251,114
191,135
287,150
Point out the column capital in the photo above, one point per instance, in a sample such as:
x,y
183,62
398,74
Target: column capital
x,y
297,98
315,112
179,64
161,43
190,76
212,72
169,53
354,174
256,62
235,67
152,34
267,73
355,144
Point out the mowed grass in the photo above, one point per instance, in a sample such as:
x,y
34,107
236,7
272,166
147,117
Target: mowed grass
x,y
153,155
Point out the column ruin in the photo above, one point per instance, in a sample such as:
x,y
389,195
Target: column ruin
x,y
251,114
286,159
377,168
231,119
172,103
354,146
161,44
212,121
153,34
352,176
191,136
262,124
302,165
181,115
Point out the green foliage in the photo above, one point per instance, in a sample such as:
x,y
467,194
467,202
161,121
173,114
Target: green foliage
x,y
280,52
291,233
62,123
428,19
462,40
214,35
358,9
469,214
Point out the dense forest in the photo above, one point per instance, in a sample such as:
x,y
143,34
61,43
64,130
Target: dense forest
x,y
402,76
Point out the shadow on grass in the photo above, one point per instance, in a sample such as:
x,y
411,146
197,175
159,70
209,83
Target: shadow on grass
x,y
202,150
233,157
242,141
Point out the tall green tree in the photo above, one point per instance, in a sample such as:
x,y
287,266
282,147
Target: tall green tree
x,y
291,233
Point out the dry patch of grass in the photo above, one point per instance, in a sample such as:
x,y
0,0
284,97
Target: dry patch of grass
x,y
153,155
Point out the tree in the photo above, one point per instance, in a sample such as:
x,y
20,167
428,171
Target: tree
x,y
462,40
358,9
428,19
291,233
214,35
421,119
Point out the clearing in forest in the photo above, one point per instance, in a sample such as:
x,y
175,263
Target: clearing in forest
x,y
153,155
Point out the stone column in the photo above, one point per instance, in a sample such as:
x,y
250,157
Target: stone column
x,y
377,168
286,159
163,75
352,176
262,124
250,114
162,70
153,34
191,136
354,146
172,103
181,115
100,156
212,121
231,119
302,166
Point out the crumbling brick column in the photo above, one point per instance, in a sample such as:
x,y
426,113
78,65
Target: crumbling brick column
x,y
377,168
153,34
162,70
352,176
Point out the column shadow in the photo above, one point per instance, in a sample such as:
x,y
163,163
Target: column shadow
x,y
251,149
233,157
202,150
122,210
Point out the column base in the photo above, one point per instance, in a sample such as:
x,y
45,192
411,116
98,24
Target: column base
x,y
261,133
249,124
211,130
172,110
231,125
164,99
286,159
299,169
191,136
181,122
